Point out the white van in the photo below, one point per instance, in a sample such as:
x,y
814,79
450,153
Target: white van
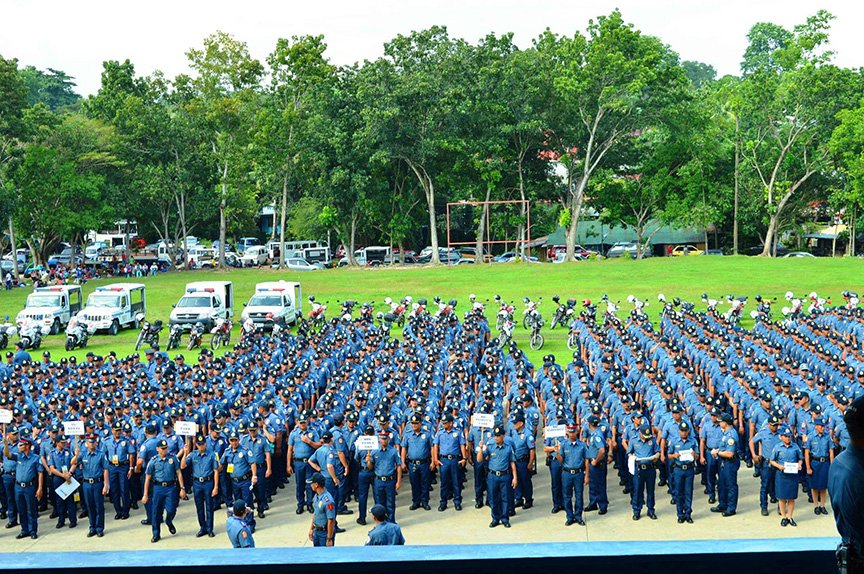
x,y
114,306
272,301
254,256
51,306
204,302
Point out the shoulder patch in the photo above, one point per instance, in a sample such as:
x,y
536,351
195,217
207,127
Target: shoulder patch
x,y
730,442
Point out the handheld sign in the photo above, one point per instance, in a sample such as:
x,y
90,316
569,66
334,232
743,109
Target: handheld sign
x,y
73,428
366,442
5,416
483,420
185,428
556,431
790,468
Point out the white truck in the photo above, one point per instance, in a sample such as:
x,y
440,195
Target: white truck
x,y
204,302
114,306
272,301
51,307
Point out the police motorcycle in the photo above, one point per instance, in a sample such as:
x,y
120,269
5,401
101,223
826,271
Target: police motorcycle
x,y
174,336
418,309
317,316
149,332
563,312
762,313
506,331
385,322
7,330
536,340
367,312
77,334
851,298
221,333
444,309
31,333
347,311
528,313
504,309
279,324
736,306
196,335
477,307
817,304
610,316
793,310
398,309
710,305
670,308
637,314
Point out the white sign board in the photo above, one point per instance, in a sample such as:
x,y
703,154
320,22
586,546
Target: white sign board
x,y
5,416
483,420
366,442
555,431
73,428
631,463
686,455
790,468
67,488
185,428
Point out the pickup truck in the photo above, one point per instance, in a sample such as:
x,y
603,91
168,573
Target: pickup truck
x,y
204,302
272,301
114,306
51,306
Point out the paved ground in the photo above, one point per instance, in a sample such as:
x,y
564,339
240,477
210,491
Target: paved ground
x,y
282,527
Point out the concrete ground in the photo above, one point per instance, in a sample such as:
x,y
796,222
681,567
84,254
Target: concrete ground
x,y
282,527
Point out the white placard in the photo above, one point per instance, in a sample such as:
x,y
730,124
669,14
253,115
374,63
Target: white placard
x,y
185,428
366,442
483,420
790,468
686,455
631,463
5,416
67,488
555,431
73,428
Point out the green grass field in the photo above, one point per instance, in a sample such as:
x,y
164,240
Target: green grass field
x,y
685,277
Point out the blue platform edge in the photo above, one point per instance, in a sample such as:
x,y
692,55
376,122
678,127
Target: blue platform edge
x,y
417,555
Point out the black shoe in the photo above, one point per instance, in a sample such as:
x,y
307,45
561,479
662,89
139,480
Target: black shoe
x,y
528,505
100,534
511,513
712,499
21,535
603,511
309,509
478,504
361,521
689,520
73,524
34,536
707,491
124,517
717,509
749,464
773,500
651,515
426,506
680,520
661,483
91,534
211,534
569,522
155,539
53,515
729,513
338,530
792,522
117,516
3,515
59,526
580,522
556,509
636,516
201,533
135,506
412,507
442,507
784,522
171,528
518,504
457,506
672,502
262,515
11,524
83,514
300,510
493,524
590,508
765,512
626,491
146,522
817,511
506,523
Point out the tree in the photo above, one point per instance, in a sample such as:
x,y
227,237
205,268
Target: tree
x,y
13,99
847,145
699,74
54,88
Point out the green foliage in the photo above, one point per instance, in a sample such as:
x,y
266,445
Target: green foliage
x,y
54,88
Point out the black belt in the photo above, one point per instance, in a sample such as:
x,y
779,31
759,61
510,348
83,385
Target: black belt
x,y
246,476
385,478
499,472
684,466
301,460
93,480
820,458
320,528
424,461
525,458
646,466
451,456
204,478
167,483
117,464
25,484
573,470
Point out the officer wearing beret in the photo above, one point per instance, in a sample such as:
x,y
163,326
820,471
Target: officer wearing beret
x,y
28,485
94,469
205,481
385,533
727,454
322,531
575,468
500,459
682,453
238,531
163,475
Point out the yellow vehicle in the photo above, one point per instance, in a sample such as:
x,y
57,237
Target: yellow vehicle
x,y
681,250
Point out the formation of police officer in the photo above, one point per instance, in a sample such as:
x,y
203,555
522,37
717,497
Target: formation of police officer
x,y
654,406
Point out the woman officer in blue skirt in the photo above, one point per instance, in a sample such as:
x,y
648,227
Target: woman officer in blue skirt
x,y
818,455
788,459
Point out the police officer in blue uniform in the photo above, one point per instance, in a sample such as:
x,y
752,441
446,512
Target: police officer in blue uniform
x,y
386,464
94,469
818,456
28,485
727,454
119,453
302,443
205,482
523,441
646,452
682,453
322,531
385,533
448,453
242,471
761,447
365,479
572,453
500,459
11,507
417,462
597,495
164,476
847,492
239,532
61,467
787,453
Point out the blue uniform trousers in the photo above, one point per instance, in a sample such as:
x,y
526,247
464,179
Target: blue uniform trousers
x,y
118,488
241,490
148,506
65,508
727,487
597,487
499,493
364,482
165,500
385,495
712,471
451,487
225,489
574,487
319,538
684,489
11,507
557,488
94,502
302,471
524,485
260,489
28,508
643,489
766,484
201,492
420,476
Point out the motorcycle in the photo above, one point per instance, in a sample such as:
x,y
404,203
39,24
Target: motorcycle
x,y
736,306
670,308
317,314
77,334
195,336
385,322
528,312
30,333
817,304
563,313
637,314
536,340
398,309
711,305
762,313
174,336
279,324
7,330
221,333
610,316
444,309
506,334
418,309
247,328
367,311
149,333
850,297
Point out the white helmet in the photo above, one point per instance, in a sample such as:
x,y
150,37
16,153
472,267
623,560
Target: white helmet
x,y
785,311
813,295
388,300
789,295
661,297
630,298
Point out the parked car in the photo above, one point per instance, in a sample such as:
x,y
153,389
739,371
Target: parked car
x,y
562,255
798,255
627,248
713,252
509,256
254,256
297,264
781,250
553,251
246,242
446,256
471,253
64,257
683,250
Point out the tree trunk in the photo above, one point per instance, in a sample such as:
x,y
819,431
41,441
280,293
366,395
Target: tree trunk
x,y
429,191
283,216
13,245
481,227
735,200
352,237
223,224
522,231
575,209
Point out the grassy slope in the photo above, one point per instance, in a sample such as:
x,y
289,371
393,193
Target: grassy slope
x,y
685,277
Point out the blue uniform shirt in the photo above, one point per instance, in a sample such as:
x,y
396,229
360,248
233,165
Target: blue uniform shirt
x,y
26,466
163,469
449,442
385,461
679,444
643,449
238,463
117,451
819,445
301,449
239,533
203,465
61,460
386,534
783,453
847,496
573,454
729,440
419,445
499,457
324,509
523,442
92,463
